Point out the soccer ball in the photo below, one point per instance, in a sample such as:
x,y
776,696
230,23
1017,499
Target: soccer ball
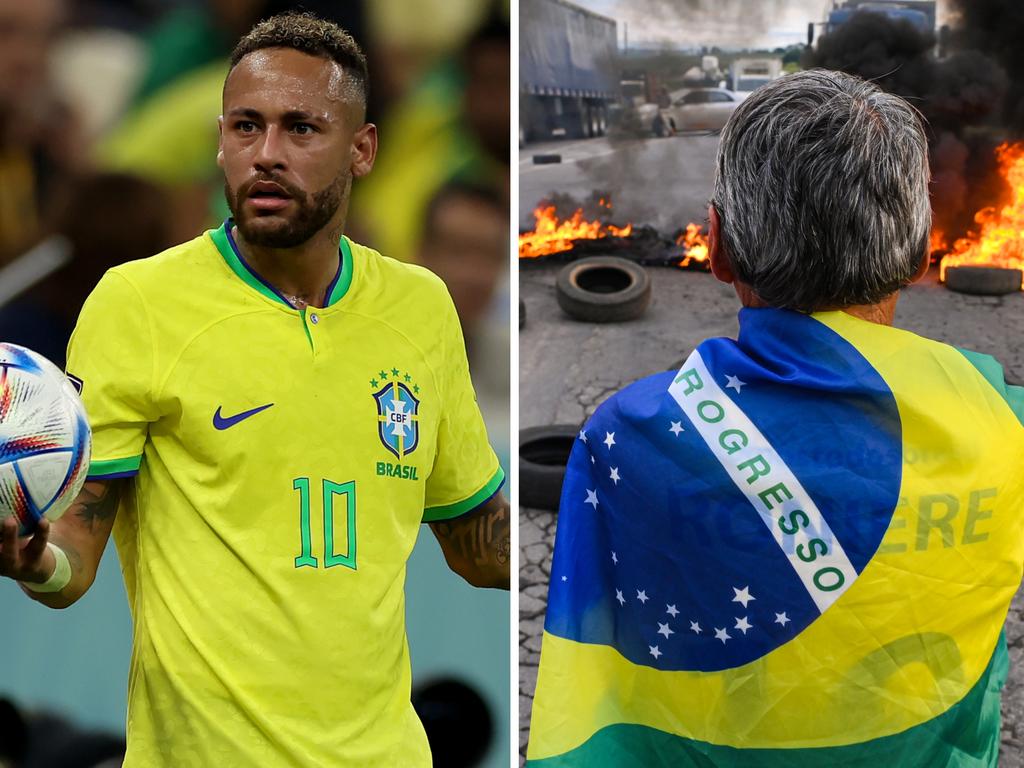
x,y
45,440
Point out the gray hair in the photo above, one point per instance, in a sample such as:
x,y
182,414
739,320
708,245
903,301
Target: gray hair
x,y
822,188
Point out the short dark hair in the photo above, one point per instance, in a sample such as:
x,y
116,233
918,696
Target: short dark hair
x,y
309,34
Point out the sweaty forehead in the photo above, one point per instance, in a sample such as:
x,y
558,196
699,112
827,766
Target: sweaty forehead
x,y
289,79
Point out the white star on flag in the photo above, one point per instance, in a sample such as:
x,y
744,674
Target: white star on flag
x,y
609,439
742,624
743,596
663,629
676,428
735,383
593,460
619,597
721,634
671,610
641,595
615,558
695,627
781,618
565,578
654,651
592,499
583,435
615,475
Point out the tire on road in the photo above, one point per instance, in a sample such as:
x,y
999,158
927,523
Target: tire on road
x,y
603,289
546,159
543,454
984,281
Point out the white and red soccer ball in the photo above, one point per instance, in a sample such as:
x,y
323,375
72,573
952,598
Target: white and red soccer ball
x,y
45,440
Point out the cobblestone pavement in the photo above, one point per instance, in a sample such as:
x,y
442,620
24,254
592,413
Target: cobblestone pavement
x,y
567,369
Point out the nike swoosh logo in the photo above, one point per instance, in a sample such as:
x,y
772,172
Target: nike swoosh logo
x,y
226,422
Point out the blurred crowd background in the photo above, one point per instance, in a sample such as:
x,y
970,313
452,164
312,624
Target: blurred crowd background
x,y
108,138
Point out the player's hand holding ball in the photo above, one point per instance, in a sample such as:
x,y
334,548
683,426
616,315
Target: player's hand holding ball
x,y
45,446
25,558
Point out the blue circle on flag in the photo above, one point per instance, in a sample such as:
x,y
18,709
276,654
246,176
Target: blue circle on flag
x,y
666,558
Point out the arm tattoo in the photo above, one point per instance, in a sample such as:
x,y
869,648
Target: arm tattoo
x,y
480,542
95,506
82,533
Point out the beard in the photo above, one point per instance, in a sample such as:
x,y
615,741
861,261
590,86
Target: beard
x,y
312,212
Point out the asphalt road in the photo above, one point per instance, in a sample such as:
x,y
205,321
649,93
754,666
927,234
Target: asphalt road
x,y
568,368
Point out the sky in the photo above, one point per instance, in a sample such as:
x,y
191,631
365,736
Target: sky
x,y
726,23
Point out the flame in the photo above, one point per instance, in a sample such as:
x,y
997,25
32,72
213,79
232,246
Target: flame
x,y
696,245
938,241
1000,241
552,235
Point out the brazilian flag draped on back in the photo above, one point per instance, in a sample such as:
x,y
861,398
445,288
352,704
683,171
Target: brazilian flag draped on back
x,y
798,550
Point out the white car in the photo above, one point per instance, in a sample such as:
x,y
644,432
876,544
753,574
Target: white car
x,y
702,109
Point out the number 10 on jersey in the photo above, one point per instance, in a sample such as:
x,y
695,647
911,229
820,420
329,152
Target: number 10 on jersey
x,y
331,490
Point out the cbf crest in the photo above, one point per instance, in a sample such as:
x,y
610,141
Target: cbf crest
x,y
398,421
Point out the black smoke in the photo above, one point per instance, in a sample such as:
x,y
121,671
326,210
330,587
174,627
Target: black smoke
x,y
996,29
965,88
891,52
964,95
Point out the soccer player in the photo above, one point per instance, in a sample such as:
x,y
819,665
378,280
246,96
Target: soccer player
x,y
275,410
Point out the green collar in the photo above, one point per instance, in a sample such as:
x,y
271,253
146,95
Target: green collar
x,y
228,249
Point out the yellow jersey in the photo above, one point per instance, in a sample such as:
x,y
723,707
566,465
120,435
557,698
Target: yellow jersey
x,y
283,461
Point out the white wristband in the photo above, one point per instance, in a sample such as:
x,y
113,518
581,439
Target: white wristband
x,y
60,577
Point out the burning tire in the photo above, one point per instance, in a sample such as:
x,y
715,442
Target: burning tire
x,y
543,454
603,289
984,281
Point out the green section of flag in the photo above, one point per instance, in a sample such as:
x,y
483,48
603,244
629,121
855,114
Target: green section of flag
x,y
990,368
924,746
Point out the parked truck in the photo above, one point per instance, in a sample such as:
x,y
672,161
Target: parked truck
x,y
568,70
748,74
919,13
